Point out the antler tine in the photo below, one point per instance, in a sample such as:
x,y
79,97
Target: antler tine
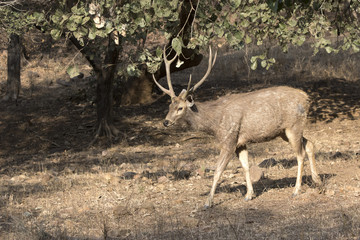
x,y
161,87
189,84
188,88
168,77
167,63
211,64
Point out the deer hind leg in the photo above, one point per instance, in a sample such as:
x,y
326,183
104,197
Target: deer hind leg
x,y
244,159
223,161
296,141
309,148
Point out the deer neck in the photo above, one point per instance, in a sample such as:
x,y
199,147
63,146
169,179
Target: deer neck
x,y
200,118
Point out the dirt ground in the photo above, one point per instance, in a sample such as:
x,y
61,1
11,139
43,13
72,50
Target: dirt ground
x,y
152,182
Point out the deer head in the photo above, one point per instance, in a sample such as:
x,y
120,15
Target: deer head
x,y
182,103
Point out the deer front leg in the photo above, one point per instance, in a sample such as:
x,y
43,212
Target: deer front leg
x,y
224,158
244,159
309,148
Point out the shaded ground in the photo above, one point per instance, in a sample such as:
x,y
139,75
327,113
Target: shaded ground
x,y
151,182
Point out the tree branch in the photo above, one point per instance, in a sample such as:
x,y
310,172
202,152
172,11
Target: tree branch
x,y
87,53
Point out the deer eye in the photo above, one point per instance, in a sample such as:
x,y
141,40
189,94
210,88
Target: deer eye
x,y
180,109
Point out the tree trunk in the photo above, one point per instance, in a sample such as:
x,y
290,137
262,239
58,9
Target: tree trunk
x,y
104,103
139,90
105,72
13,68
104,91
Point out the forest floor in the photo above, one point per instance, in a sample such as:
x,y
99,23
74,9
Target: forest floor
x,y
152,182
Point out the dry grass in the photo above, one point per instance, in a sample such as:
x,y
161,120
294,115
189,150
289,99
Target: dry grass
x,y
152,183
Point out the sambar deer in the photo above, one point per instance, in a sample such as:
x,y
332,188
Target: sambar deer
x,y
239,119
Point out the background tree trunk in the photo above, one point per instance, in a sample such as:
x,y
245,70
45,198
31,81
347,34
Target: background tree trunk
x,y
13,67
104,68
104,91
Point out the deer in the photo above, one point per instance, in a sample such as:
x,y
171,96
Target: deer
x,y
242,118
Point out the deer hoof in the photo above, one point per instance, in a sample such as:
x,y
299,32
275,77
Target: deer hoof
x,y
294,195
247,199
208,204
317,180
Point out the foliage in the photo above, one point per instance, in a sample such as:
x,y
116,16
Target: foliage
x,y
240,23
126,22
280,22
19,16
13,21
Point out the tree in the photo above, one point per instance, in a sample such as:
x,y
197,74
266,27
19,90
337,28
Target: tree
x,y
14,23
13,67
10,17
101,31
110,32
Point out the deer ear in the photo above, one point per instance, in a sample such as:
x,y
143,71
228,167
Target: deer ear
x,y
190,101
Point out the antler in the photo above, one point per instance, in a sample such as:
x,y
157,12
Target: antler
x,y
211,64
167,62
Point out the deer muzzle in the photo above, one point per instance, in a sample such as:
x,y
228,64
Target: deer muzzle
x,y
167,123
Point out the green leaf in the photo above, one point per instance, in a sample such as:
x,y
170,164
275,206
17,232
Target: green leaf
x,y
80,32
132,70
71,26
64,18
56,17
254,65
219,31
39,17
292,22
78,11
235,3
248,39
136,8
177,45
109,27
239,35
282,26
271,60
253,59
263,63
145,4
355,48
73,71
92,33
159,52
301,39
329,49
76,19
55,34
85,20
140,21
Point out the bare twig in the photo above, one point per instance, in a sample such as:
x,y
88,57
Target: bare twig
x,y
192,24
8,3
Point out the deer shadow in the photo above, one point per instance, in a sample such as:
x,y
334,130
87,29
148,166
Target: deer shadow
x,y
265,184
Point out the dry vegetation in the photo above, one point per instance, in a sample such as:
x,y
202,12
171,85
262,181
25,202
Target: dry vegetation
x,y
151,182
